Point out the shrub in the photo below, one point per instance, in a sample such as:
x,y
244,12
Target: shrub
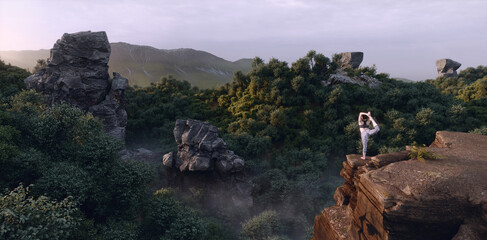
x,y
263,226
271,188
215,231
24,217
7,135
64,179
126,185
421,153
11,80
167,218
247,145
116,230
480,131
66,152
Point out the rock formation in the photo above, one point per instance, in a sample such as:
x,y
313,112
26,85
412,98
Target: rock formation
x,y
390,197
447,67
77,73
351,59
204,169
200,149
342,77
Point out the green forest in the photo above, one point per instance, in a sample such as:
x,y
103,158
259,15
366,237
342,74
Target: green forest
x,y
61,176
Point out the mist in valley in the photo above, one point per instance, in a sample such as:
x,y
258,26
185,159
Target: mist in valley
x,y
92,144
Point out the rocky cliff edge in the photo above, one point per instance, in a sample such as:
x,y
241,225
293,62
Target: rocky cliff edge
x,y
390,197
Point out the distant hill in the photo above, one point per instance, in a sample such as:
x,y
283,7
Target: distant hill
x,y
26,59
143,65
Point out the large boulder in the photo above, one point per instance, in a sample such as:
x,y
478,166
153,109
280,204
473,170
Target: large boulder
x,y
351,59
447,67
77,73
200,149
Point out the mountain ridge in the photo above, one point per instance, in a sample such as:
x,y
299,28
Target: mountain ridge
x,y
144,65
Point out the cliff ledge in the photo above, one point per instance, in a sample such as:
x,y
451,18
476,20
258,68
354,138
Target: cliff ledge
x,y
390,197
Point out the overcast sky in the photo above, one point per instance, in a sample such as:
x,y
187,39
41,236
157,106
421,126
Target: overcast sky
x,y
403,38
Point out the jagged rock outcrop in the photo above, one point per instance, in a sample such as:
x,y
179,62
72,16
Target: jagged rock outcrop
x,y
342,77
447,67
351,59
205,169
200,149
77,73
390,197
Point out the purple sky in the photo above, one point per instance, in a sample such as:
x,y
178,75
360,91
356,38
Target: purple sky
x,y
403,38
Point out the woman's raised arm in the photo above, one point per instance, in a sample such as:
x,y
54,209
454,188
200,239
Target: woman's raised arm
x,y
360,116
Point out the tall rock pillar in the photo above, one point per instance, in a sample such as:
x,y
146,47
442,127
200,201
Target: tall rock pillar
x,y
77,73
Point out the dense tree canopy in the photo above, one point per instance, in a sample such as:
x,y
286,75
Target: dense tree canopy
x,y
292,130
78,188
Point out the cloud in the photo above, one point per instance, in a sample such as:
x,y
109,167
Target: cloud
x,y
404,33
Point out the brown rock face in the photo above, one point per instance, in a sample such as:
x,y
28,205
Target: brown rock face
x,y
77,73
390,197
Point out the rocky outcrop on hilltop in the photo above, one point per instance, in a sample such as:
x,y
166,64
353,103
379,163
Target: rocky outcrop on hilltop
x,y
77,73
391,197
351,59
200,149
447,67
342,77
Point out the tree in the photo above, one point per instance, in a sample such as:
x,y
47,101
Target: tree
x,y
23,216
287,125
263,226
65,152
474,91
11,80
166,218
41,63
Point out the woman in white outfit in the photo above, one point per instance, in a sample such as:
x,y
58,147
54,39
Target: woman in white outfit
x,y
364,120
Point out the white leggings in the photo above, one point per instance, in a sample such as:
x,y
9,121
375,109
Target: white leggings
x,y
365,133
